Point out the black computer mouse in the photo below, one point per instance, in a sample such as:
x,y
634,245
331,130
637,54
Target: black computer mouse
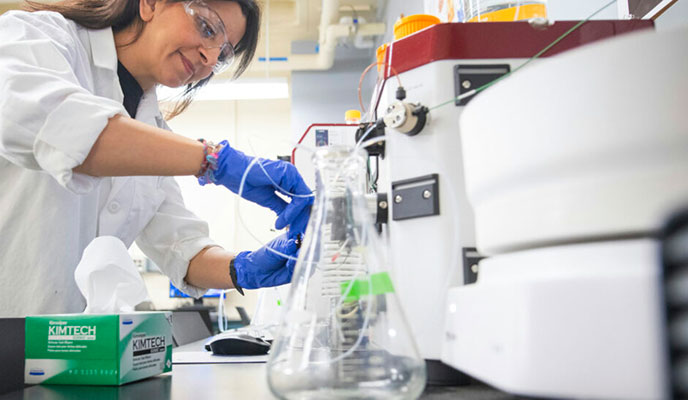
x,y
237,345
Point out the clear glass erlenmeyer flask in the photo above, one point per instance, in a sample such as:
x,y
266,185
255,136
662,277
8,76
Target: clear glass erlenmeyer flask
x,y
343,333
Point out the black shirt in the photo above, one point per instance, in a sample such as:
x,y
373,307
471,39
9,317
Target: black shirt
x,y
131,89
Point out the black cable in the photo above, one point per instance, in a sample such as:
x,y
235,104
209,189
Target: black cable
x,y
379,96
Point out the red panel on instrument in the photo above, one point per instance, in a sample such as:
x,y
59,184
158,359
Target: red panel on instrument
x,y
494,40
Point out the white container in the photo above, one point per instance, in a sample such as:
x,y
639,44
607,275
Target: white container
x,y
572,321
605,154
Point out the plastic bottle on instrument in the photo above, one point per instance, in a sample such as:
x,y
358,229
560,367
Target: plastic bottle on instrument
x,y
352,117
503,10
405,26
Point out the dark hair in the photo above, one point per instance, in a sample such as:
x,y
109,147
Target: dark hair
x,y
121,14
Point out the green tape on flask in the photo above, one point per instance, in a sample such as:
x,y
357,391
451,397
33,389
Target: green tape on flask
x,y
379,283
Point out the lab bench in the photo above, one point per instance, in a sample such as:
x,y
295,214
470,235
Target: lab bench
x,y
186,381
212,381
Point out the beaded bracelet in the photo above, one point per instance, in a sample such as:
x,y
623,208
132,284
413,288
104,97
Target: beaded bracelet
x,y
209,165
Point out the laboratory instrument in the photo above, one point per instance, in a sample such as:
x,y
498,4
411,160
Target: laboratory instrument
x,y
568,206
675,280
439,68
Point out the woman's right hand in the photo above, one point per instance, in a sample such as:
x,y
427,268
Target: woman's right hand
x,y
263,179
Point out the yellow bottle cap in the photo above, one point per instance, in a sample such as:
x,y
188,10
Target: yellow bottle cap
x,y
381,56
352,116
413,23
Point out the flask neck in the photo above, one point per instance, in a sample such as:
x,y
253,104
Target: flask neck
x,y
338,171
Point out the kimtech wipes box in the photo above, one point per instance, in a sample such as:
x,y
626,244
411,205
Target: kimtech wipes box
x,y
92,349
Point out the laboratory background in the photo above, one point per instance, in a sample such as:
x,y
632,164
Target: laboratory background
x,y
500,211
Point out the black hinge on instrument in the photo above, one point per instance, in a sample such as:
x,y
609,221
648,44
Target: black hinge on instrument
x,y
416,197
471,259
468,77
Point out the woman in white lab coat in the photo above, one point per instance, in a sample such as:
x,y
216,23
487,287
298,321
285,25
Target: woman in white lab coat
x,y
84,151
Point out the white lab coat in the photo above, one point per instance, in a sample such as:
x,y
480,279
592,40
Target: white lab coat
x,y
58,88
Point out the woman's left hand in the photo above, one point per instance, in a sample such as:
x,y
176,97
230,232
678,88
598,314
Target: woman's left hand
x,y
264,268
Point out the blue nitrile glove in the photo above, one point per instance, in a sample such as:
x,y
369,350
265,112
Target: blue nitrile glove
x,y
258,187
263,268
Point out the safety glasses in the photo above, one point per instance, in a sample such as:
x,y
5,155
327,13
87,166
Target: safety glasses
x,y
212,31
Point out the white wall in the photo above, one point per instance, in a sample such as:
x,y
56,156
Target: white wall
x,y
324,96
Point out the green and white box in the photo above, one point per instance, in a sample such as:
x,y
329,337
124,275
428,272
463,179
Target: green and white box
x,y
105,349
